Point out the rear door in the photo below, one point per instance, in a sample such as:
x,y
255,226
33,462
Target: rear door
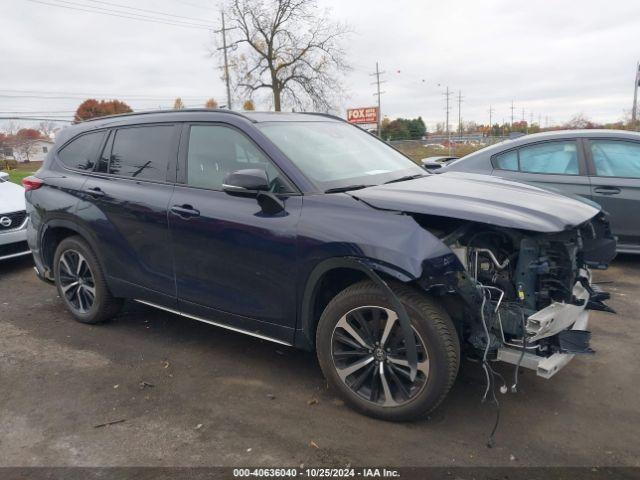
x,y
614,167
558,164
125,205
234,262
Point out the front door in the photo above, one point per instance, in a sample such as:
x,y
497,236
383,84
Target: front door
x,y
615,184
234,263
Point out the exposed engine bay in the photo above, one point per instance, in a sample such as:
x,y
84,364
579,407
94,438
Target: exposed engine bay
x,y
531,291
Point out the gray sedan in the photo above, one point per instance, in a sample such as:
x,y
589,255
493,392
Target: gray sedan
x,y
602,165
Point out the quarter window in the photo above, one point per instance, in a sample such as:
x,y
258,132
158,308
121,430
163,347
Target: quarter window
x,y
81,153
616,158
507,160
215,151
141,152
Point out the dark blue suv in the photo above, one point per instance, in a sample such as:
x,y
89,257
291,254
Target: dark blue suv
x,y
307,231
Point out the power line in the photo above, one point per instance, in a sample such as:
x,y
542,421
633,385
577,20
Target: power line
x,y
84,97
37,119
491,112
8,91
120,14
194,5
155,12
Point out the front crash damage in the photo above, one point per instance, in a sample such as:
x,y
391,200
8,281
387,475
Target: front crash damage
x,y
522,297
515,278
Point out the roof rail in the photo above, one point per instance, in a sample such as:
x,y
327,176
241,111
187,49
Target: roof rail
x,y
321,114
149,112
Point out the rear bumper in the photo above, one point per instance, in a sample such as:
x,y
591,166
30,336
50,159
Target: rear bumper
x,y
545,367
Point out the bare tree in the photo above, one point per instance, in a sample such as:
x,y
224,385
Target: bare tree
x,y
287,47
211,103
47,127
178,104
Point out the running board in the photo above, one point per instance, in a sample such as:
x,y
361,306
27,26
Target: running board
x,y
216,324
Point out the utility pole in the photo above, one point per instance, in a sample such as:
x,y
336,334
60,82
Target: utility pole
x,y
512,110
447,95
460,114
224,48
491,111
634,110
378,93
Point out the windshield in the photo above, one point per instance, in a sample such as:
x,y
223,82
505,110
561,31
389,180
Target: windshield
x,y
335,154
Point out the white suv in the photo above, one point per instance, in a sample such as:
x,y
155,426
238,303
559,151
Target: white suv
x,y
13,219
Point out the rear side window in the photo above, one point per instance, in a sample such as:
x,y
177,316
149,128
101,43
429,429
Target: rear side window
x,y
141,152
81,153
616,158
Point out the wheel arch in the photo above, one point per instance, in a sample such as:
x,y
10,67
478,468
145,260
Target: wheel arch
x,y
56,230
329,278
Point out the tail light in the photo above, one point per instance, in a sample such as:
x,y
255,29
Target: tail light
x,y
31,183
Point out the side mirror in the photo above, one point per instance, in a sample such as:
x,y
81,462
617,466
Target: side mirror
x,y
4,176
246,182
430,164
253,183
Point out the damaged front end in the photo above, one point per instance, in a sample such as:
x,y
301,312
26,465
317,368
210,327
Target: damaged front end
x,y
518,296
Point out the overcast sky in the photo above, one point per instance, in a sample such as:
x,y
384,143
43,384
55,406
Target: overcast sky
x,y
553,58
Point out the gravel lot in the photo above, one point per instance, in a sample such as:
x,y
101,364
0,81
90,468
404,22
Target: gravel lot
x,y
185,393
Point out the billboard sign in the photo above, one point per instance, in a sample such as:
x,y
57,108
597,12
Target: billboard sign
x,y
362,115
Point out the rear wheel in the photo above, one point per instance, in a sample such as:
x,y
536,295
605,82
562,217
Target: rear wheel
x,y
362,352
81,283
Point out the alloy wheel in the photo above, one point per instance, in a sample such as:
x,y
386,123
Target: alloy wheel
x,y
370,357
76,281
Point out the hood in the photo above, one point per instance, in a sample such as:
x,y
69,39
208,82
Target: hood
x,y
11,198
481,198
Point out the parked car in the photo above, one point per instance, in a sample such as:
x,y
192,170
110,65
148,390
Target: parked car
x,y
434,163
13,220
602,165
305,230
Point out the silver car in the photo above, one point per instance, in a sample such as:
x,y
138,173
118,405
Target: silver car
x,y
13,219
601,165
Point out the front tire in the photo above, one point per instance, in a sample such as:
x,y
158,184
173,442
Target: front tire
x,y
81,283
360,347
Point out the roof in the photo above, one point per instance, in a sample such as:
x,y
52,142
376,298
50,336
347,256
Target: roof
x,y
191,115
577,133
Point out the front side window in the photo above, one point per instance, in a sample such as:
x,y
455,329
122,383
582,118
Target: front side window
x,y
336,154
215,151
616,158
141,152
551,157
80,153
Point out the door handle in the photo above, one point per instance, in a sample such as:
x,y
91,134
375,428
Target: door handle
x,y
95,192
185,211
607,190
